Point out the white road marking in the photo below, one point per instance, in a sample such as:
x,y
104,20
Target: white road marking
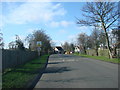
x,y
72,60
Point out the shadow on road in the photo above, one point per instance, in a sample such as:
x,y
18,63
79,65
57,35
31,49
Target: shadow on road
x,y
56,69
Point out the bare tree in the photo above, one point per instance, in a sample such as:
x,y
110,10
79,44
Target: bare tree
x,y
102,39
72,47
95,40
103,13
17,44
39,35
116,34
66,46
1,41
82,40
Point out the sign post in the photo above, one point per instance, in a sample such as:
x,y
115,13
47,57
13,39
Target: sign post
x,y
39,44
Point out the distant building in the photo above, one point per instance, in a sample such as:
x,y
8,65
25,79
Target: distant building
x,y
77,49
58,49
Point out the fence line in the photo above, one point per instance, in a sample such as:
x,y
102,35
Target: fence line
x,y
12,58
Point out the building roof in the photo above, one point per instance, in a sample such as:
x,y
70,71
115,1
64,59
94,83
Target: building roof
x,y
59,48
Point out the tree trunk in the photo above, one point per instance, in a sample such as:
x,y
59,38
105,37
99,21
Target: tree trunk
x,y
108,45
96,52
107,41
85,52
96,49
114,51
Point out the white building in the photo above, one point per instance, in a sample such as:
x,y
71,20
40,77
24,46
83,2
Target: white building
x,y
58,49
77,49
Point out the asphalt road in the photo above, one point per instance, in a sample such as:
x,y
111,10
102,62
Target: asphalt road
x,y
69,71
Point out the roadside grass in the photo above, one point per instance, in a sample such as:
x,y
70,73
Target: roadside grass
x,y
102,58
20,76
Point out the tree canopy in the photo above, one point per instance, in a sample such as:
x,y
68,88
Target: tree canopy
x,y
39,35
104,14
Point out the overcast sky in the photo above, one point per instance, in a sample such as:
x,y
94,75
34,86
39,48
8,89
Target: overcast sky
x,y
57,19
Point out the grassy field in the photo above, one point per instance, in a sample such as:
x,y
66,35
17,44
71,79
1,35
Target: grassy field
x,y
114,60
20,76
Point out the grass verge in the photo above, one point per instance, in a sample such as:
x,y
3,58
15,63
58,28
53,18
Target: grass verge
x,y
102,58
20,76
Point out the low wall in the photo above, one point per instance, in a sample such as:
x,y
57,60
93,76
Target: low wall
x,y
118,53
104,52
91,52
101,52
12,58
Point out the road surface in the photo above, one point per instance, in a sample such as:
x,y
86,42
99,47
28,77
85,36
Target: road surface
x,y
69,71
